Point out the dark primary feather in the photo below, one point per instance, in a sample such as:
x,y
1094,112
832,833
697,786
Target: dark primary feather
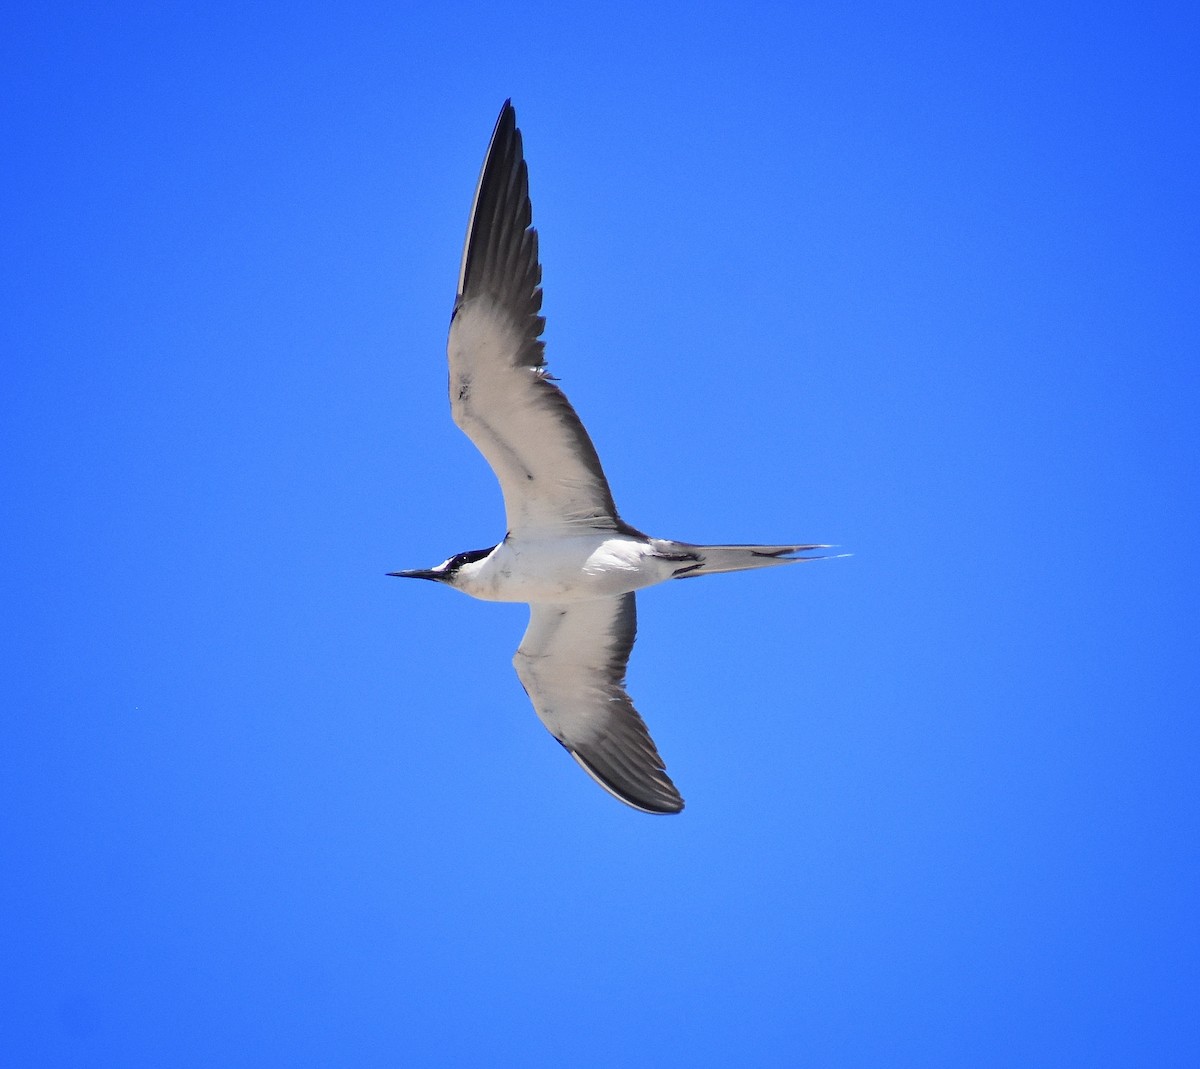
x,y
500,255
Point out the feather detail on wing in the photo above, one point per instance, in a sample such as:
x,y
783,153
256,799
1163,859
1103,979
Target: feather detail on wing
x,y
500,393
571,663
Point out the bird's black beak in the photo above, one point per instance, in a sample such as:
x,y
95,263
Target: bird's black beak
x,y
420,573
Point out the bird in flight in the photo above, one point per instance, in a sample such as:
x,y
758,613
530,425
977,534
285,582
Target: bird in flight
x,y
567,553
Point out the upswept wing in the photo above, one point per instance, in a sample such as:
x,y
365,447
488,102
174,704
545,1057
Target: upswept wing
x,y
571,663
500,392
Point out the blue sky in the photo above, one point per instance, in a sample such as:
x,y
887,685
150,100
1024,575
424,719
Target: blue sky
x,y
921,282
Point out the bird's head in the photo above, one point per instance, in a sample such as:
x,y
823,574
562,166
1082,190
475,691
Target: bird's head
x,y
451,570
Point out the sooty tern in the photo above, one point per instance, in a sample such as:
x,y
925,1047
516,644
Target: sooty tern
x,y
567,553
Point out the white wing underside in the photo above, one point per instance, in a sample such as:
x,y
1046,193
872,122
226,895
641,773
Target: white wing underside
x,y
571,663
500,393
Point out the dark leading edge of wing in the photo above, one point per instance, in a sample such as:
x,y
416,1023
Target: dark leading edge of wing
x,y
522,423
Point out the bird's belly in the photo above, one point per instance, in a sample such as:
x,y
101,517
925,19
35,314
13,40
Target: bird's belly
x,y
568,570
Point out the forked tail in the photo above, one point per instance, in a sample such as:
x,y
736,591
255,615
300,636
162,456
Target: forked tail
x,y
708,560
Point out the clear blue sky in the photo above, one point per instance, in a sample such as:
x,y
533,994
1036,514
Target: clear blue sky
x,y
919,281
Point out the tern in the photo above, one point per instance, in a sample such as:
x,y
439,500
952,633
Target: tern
x,y
567,552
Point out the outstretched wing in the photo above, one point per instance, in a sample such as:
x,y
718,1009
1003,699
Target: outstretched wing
x,y
572,664
500,392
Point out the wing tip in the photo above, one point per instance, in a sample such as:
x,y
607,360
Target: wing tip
x,y
500,250
664,800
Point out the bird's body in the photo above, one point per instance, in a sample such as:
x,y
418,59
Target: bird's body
x,y
567,553
546,566
553,566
